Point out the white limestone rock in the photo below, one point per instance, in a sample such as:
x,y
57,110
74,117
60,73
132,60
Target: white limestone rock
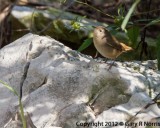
x,y
64,88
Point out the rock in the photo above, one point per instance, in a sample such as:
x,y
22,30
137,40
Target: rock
x,y
16,122
64,88
118,115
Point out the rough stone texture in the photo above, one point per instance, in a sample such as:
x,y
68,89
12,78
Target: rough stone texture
x,y
64,88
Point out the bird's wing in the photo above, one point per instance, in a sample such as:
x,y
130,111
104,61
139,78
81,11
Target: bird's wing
x,y
113,42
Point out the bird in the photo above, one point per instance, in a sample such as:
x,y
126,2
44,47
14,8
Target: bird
x,y
107,45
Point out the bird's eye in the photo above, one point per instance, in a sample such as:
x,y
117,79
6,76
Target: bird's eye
x,y
100,30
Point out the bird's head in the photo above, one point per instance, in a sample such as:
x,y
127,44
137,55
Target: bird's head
x,y
100,32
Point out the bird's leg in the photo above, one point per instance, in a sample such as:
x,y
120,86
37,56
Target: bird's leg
x,y
110,66
105,61
96,54
101,61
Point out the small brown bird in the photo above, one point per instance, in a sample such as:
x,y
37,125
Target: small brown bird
x,y
107,45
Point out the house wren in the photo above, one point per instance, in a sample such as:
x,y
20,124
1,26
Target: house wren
x,y
107,45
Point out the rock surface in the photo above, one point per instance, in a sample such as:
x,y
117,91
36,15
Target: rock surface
x,y
64,88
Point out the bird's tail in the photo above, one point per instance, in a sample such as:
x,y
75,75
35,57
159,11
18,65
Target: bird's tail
x,y
125,48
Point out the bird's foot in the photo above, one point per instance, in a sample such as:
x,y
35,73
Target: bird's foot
x,y
111,64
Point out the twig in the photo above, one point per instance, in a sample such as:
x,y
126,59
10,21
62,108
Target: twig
x,y
143,36
154,101
50,23
94,8
143,13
